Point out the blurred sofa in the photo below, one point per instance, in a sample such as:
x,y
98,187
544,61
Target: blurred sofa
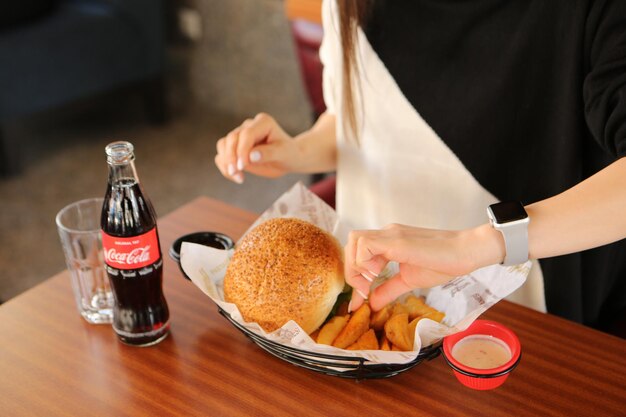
x,y
54,52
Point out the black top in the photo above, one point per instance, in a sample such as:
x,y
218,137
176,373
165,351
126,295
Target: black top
x,y
531,96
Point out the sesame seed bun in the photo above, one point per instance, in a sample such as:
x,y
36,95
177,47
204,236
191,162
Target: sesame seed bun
x,y
285,269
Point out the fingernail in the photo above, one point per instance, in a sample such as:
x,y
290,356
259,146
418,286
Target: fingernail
x,y
231,170
361,294
350,307
364,275
255,156
238,178
240,164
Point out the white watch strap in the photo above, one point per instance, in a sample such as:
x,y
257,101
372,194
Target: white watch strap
x,y
516,244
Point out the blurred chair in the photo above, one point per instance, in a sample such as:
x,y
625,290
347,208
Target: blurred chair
x,y
308,37
306,28
55,52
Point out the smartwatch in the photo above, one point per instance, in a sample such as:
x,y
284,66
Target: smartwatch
x,y
510,219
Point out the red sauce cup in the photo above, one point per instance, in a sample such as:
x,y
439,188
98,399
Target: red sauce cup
x,y
483,379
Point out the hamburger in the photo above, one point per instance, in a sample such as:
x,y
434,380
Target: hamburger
x,y
285,269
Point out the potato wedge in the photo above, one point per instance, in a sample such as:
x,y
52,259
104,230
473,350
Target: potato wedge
x,y
412,326
367,341
329,331
391,328
399,308
384,343
397,331
314,335
435,315
380,317
357,325
416,306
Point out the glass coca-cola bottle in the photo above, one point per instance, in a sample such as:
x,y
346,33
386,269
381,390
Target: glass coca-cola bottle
x,y
132,253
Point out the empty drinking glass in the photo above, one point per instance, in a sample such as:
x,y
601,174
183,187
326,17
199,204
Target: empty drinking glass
x,y
79,229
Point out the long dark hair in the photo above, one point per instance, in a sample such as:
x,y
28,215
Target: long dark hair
x,y
352,14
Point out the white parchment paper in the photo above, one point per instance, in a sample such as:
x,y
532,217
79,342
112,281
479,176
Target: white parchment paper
x,y
462,299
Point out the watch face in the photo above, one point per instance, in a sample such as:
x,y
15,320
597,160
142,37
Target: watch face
x,y
508,211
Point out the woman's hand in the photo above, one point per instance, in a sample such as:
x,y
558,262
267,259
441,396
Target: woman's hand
x,y
426,257
259,146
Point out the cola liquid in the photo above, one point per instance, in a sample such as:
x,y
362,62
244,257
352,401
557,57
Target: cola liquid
x,y
132,253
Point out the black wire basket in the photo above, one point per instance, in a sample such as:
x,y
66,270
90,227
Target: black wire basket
x,y
335,365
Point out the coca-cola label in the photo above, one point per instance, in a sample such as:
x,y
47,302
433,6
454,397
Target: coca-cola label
x,y
131,252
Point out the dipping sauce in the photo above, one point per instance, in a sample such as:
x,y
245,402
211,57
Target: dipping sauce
x,y
481,351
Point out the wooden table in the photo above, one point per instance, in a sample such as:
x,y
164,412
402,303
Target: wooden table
x,y
52,363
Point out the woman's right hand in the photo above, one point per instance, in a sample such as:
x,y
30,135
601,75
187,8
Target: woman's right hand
x,y
426,258
259,146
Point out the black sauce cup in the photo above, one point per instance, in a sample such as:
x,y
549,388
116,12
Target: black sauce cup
x,y
212,239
